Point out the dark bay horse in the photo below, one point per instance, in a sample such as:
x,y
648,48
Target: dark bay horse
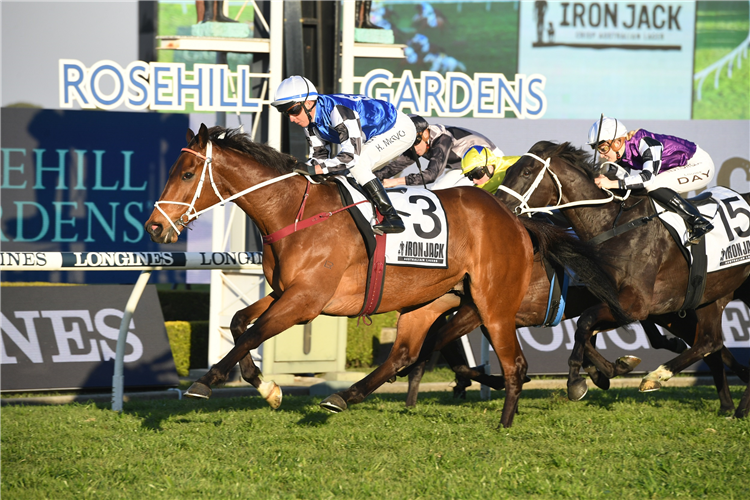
x,y
321,269
648,267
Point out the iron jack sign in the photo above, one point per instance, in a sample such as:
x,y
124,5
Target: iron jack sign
x,y
156,86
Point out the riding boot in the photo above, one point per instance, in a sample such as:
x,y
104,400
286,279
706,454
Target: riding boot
x,y
698,225
214,13
392,223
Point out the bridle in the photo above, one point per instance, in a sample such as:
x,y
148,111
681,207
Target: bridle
x,y
523,207
191,213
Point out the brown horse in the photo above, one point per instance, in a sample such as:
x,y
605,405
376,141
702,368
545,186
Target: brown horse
x,y
649,269
321,269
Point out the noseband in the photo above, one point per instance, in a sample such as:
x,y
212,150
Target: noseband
x,y
191,213
523,206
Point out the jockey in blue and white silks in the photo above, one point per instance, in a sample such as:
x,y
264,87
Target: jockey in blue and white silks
x,y
371,132
662,165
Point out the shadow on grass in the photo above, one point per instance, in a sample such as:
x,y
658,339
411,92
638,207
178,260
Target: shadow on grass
x,y
154,413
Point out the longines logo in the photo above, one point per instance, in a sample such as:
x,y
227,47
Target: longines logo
x,y
603,25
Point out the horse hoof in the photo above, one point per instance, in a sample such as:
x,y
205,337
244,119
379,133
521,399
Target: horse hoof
x,y
628,363
459,392
334,403
649,386
198,391
577,390
271,393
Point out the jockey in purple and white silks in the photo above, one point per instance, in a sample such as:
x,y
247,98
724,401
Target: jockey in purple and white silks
x,y
662,165
371,132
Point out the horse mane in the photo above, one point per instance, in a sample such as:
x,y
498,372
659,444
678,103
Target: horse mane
x,y
573,156
262,153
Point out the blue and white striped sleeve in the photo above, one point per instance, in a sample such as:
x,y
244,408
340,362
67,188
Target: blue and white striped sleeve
x,y
650,150
351,137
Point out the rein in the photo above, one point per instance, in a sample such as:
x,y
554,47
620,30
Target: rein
x,y
524,208
191,213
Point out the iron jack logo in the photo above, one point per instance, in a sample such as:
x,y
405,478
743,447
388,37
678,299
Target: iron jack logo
x,y
605,25
421,251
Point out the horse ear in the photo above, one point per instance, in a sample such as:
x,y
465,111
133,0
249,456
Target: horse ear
x,y
202,136
189,136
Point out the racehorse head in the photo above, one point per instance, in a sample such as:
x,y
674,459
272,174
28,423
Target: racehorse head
x,y
215,165
549,175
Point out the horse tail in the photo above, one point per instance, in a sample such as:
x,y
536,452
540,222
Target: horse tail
x,y
569,252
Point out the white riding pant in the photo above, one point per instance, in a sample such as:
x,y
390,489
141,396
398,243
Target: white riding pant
x,y
698,172
381,149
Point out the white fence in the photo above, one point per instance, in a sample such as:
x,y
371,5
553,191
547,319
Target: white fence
x,y
146,262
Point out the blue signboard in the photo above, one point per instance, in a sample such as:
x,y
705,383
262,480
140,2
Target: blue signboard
x,y
84,181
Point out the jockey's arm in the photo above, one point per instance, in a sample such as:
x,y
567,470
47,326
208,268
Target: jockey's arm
x,y
650,150
394,167
439,152
345,122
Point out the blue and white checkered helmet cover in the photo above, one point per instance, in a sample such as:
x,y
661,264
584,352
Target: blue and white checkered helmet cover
x,y
295,89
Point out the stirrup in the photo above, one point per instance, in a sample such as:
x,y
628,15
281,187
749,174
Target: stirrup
x,y
699,231
388,226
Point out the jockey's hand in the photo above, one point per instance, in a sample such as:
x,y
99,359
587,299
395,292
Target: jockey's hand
x,y
605,183
318,169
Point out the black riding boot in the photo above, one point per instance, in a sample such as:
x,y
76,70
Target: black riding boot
x,y
698,225
392,223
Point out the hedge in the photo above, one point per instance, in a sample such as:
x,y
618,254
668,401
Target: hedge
x,y
363,341
189,343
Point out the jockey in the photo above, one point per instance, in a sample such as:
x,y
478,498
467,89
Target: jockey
x,y
663,165
443,147
484,169
371,132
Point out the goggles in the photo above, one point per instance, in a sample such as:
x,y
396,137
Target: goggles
x,y
476,174
604,147
294,110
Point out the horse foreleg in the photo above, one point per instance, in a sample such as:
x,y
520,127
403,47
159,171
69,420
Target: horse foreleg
x,y
241,321
411,331
289,309
706,325
659,341
577,387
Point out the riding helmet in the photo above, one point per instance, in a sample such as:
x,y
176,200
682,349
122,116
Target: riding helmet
x,y
293,90
611,129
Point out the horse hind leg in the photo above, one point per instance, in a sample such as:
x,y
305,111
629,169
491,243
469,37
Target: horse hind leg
x,y
714,362
411,331
744,407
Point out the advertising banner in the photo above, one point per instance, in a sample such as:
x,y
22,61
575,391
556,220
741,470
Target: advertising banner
x,y
547,349
65,338
84,181
629,55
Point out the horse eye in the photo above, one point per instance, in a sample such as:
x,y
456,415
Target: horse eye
x,y
526,172
187,176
